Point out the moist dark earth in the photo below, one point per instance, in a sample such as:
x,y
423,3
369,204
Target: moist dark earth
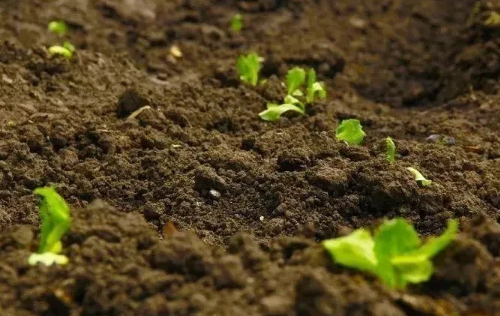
x,y
140,138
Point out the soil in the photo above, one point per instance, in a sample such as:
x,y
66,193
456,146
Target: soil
x,y
140,139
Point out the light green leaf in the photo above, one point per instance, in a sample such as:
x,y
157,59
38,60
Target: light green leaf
x,y
248,68
293,100
294,79
60,50
395,255
314,88
351,132
47,259
274,111
237,23
413,272
355,250
55,219
419,177
58,27
311,77
391,150
433,245
69,46
393,238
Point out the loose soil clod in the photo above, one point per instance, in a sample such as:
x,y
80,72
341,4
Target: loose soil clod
x,y
250,200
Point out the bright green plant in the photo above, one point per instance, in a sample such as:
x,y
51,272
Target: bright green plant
x,y
237,23
55,221
274,110
314,88
58,27
351,132
419,177
66,50
248,67
295,100
395,254
390,150
294,79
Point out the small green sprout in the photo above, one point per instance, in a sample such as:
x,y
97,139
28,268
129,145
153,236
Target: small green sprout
x,y
294,101
237,23
391,150
294,79
493,19
351,132
313,87
274,111
58,27
248,67
419,177
66,50
396,255
55,221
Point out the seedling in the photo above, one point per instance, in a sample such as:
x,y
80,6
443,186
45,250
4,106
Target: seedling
x,y
66,50
295,101
314,88
294,79
351,132
390,153
274,111
237,23
58,27
419,177
396,255
55,221
248,67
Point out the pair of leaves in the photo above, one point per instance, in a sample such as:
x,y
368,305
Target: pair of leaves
x,y
248,68
60,28
55,221
274,111
395,254
295,78
66,50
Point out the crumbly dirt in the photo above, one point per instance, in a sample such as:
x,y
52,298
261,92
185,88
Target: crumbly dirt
x,y
136,136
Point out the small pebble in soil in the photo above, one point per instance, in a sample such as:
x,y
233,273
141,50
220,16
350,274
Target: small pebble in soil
x,y
215,194
261,218
441,139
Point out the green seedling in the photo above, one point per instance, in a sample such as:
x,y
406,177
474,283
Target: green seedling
x,y
237,23
295,100
55,221
58,27
419,177
294,79
351,132
248,67
274,111
66,50
314,88
390,153
395,254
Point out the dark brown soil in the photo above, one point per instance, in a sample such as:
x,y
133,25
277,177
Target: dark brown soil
x,y
406,69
